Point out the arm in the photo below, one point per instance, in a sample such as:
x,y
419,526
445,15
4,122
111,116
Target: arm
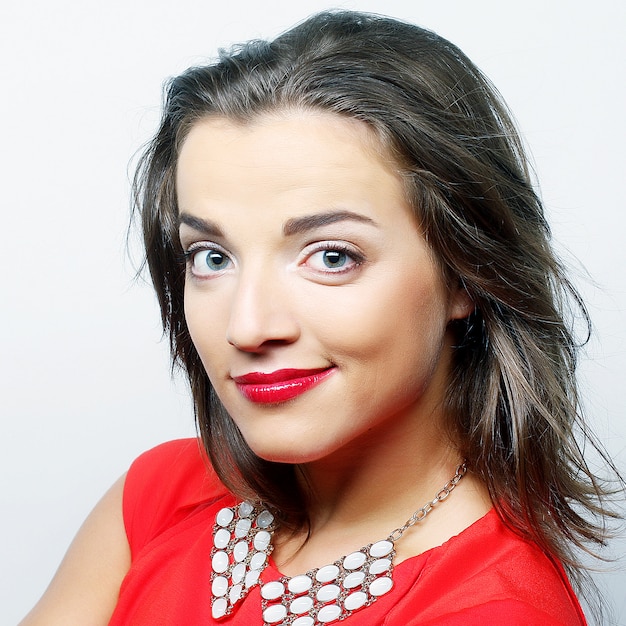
x,y
85,588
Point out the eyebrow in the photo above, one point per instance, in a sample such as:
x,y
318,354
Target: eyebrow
x,y
298,225
206,227
292,226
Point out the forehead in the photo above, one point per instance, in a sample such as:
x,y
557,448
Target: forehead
x,y
286,151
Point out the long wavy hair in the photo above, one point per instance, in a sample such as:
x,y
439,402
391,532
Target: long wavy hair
x,y
512,401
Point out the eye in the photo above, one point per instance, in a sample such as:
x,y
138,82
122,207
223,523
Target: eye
x,y
333,258
204,261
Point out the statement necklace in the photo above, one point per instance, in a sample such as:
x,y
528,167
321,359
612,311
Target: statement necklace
x,y
242,543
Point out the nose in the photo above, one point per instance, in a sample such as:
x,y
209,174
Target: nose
x,y
261,314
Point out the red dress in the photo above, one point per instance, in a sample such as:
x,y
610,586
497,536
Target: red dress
x,y
484,575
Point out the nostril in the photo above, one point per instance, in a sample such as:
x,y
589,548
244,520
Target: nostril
x,y
260,345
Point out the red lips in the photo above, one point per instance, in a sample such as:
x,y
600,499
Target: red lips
x,y
281,385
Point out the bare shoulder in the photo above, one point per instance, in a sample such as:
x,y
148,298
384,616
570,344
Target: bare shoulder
x,y
85,588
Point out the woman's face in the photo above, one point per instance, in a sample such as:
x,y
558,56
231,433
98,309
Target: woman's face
x,y
312,298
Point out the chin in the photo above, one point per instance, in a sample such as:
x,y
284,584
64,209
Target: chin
x,y
288,454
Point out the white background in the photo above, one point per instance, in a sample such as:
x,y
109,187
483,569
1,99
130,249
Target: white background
x,y
84,378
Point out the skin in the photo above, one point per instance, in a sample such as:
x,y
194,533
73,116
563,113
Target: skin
x,y
260,296
85,588
370,440
380,320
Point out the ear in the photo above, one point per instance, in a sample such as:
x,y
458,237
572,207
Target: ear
x,y
461,303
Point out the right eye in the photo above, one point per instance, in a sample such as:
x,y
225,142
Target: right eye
x,y
203,262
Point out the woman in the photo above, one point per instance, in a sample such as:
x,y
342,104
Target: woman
x,y
354,271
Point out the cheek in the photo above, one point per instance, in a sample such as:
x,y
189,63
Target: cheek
x,y
395,319
192,314
205,324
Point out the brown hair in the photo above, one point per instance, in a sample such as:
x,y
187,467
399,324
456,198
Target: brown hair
x,y
512,400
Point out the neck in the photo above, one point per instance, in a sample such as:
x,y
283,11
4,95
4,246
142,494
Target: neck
x,y
382,476
363,493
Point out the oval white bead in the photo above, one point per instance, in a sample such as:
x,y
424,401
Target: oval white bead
x,y
301,605
245,509
272,590
300,584
242,527
380,566
354,560
328,613
381,586
258,560
224,517
265,519
275,613
305,620
328,593
235,593
327,573
353,580
240,551
252,577
219,587
239,571
219,562
221,539
355,600
219,608
262,540
381,548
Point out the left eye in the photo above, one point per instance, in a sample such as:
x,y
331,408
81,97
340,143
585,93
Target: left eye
x,y
331,260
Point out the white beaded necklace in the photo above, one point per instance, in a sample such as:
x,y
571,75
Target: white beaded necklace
x,y
242,543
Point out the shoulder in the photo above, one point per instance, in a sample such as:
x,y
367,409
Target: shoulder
x,y
163,486
181,455
488,574
509,612
84,589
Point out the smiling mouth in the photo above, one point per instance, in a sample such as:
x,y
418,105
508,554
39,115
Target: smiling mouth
x,y
281,385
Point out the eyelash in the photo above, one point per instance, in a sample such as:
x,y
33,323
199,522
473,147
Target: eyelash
x,y
202,246
332,246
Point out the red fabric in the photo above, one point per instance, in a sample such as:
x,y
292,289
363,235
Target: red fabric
x,y
485,575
